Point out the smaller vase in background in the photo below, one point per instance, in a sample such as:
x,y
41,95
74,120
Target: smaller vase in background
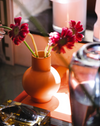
x,y
68,10
41,81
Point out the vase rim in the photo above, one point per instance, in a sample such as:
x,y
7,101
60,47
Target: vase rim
x,y
42,55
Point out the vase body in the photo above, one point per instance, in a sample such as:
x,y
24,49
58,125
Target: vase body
x,y
41,80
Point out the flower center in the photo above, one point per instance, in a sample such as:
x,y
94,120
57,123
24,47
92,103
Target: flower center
x,y
62,41
16,30
74,31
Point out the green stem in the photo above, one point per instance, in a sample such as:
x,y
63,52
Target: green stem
x,y
5,27
49,51
29,48
45,51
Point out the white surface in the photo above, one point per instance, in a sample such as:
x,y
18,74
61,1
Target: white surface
x,y
64,103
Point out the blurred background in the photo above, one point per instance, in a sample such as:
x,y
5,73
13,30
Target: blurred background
x,y
15,60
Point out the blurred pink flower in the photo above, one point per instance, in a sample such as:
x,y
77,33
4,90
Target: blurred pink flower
x,y
76,29
53,38
18,32
67,38
59,41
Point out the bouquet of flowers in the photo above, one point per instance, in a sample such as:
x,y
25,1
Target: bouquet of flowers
x,y
57,41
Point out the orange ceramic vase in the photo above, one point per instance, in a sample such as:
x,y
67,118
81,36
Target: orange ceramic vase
x,y
41,80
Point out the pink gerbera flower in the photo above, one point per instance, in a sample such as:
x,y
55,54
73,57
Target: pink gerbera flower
x,y
76,28
54,38
66,39
18,32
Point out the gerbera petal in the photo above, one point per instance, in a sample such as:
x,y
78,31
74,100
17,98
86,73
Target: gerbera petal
x,y
54,37
54,34
64,31
62,50
24,25
25,30
23,34
11,33
69,32
79,37
12,25
72,38
21,38
79,27
72,24
17,20
16,40
59,49
78,23
70,45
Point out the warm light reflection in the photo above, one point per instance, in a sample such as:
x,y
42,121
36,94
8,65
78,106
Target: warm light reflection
x,y
64,103
56,75
91,83
97,87
94,55
74,83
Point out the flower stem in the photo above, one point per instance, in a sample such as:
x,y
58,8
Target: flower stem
x,y
45,51
49,51
6,27
29,48
33,41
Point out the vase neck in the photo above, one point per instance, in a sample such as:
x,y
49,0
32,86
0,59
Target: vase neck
x,y
41,63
